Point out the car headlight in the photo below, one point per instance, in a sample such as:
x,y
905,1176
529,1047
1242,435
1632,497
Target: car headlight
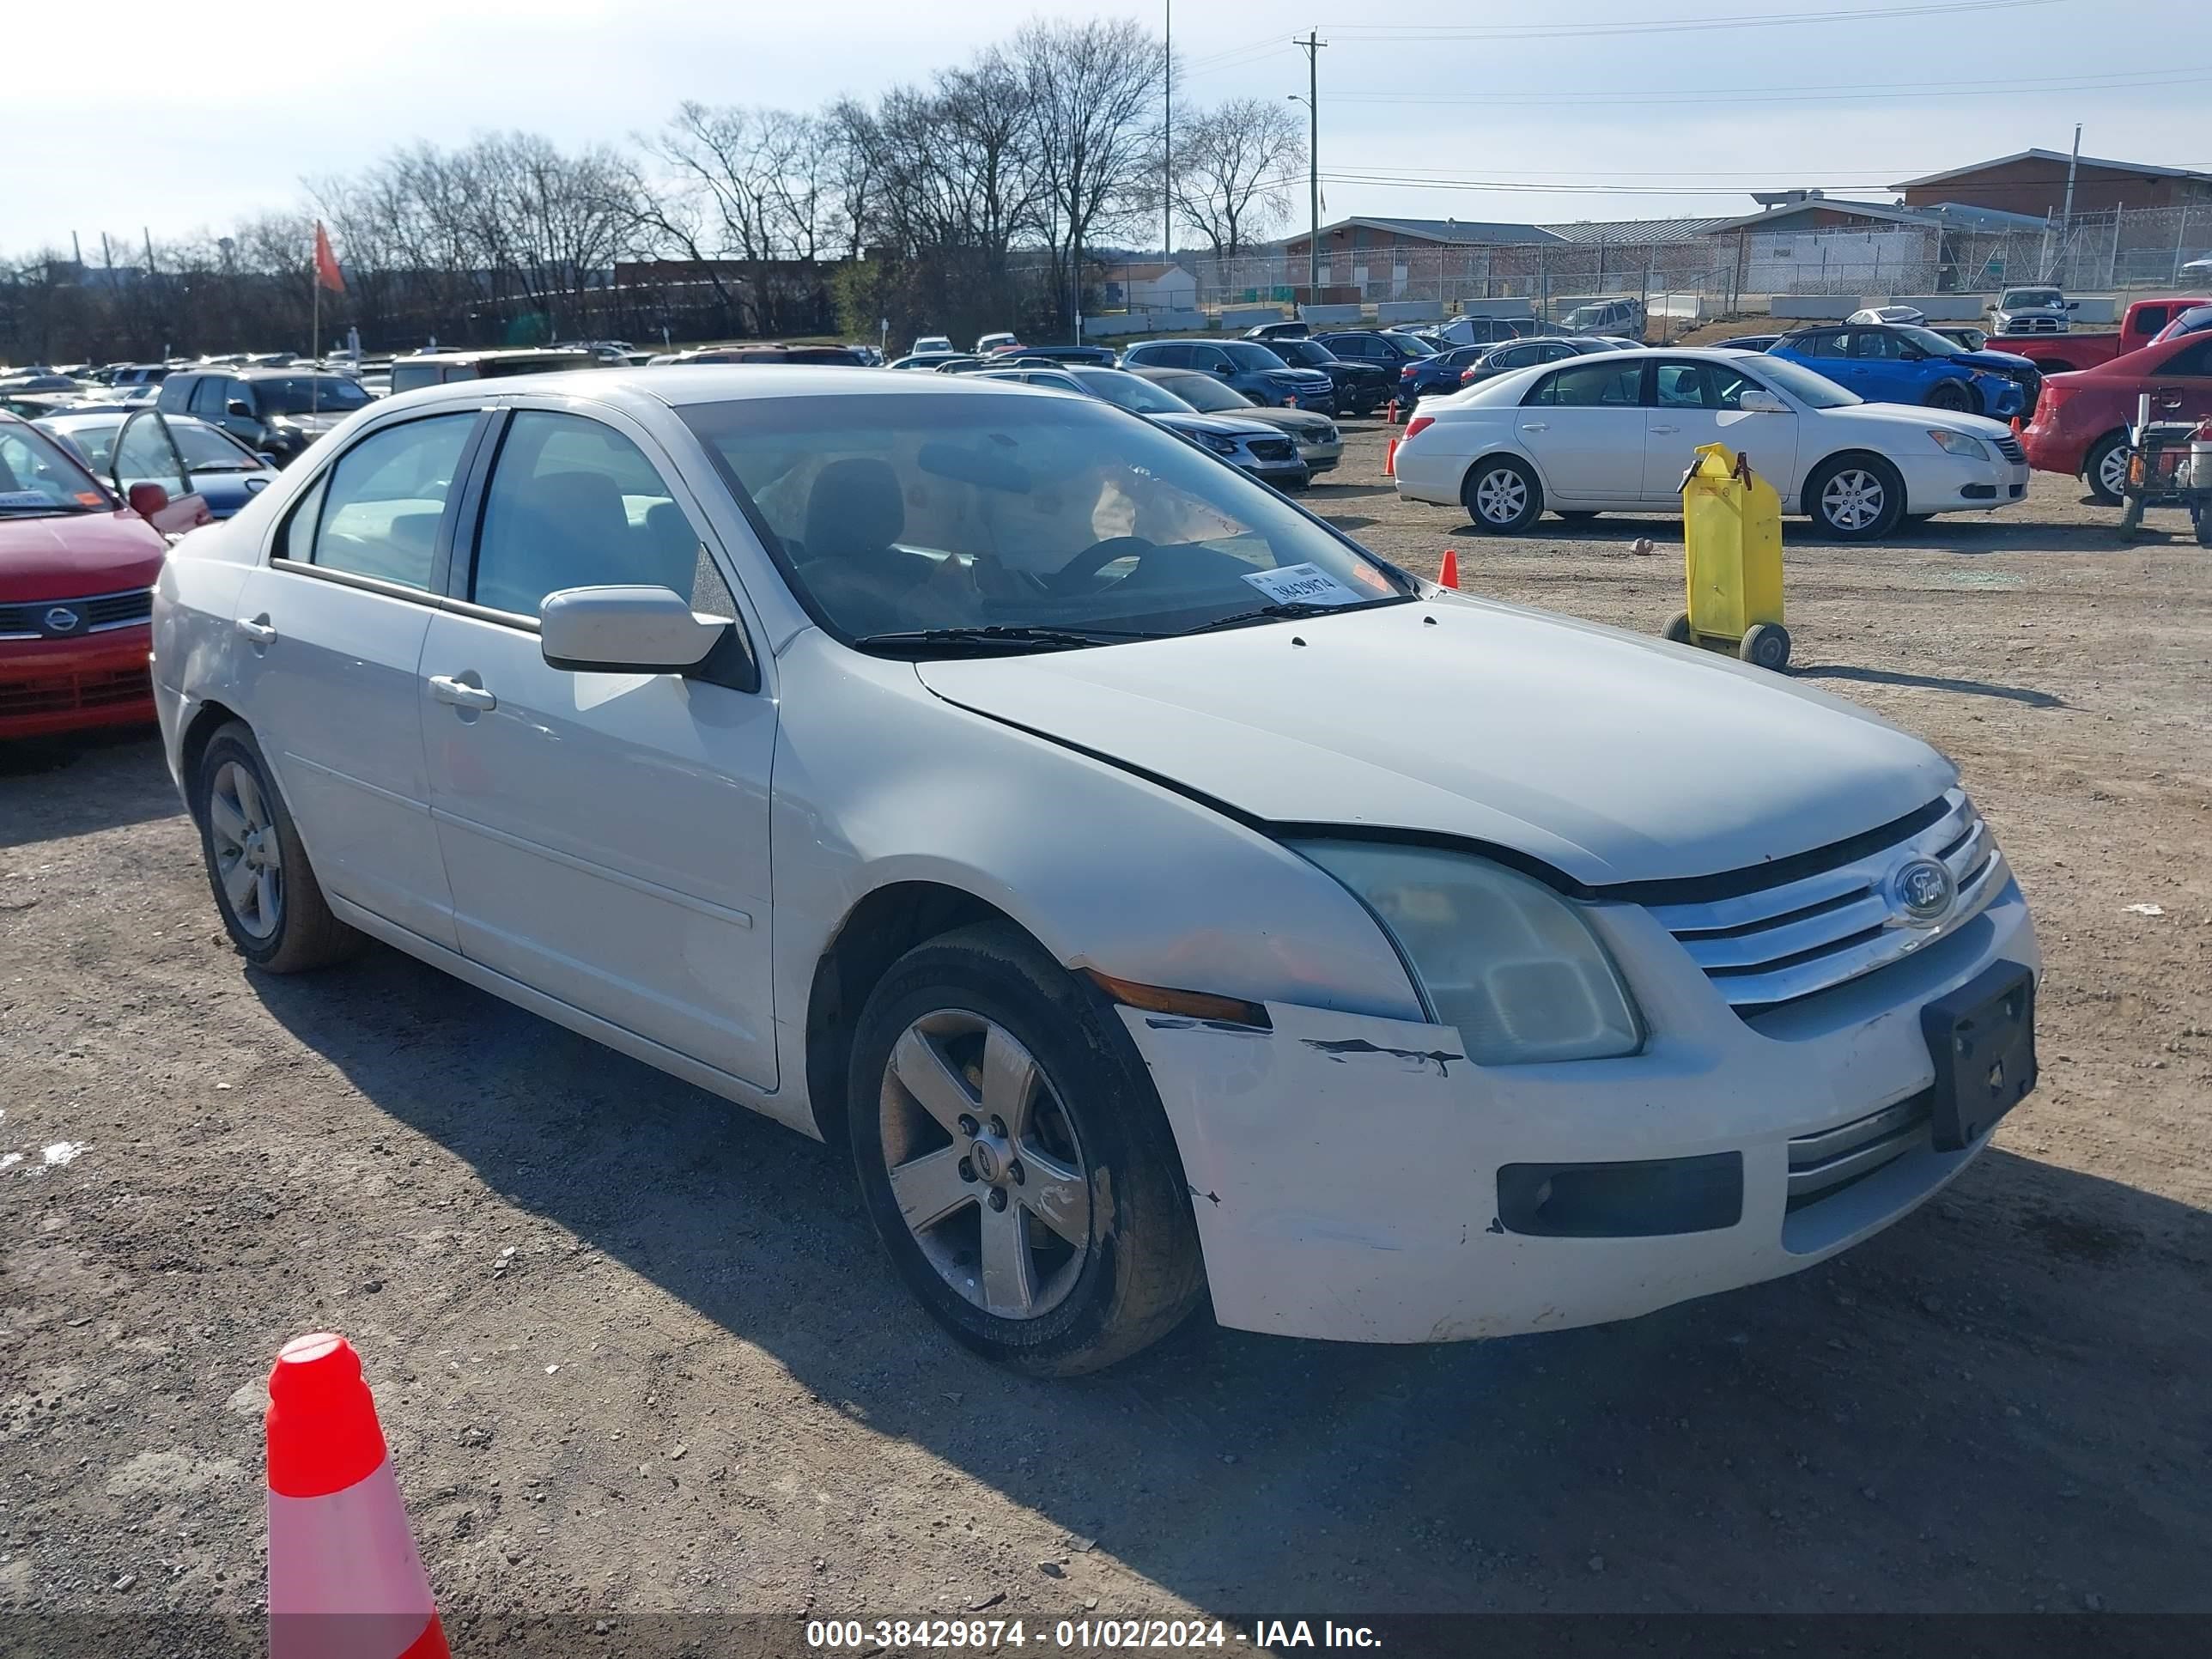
x,y
1963,446
1218,444
1494,953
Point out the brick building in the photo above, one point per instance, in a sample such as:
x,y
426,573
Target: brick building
x,y
2033,182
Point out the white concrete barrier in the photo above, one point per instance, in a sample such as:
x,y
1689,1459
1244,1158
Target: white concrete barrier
x,y
1144,322
1514,310
1243,317
1817,307
1333,314
1408,310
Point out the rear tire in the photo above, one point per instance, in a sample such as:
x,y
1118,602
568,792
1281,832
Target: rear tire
x,y
1855,498
271,905
979,1027
1501,496
2105,468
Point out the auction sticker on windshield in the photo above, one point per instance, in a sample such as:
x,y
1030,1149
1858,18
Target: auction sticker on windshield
x,y
1301,584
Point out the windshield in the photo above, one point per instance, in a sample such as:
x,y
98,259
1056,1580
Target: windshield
x,y
1132,391
39,478
1407,346
2015,298
303,394
895,514
1803,384
1972,338
1253,358
1929,340
206,450
1303,354
1208,396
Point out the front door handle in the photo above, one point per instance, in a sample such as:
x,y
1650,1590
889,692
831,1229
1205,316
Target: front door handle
x,y
1535,426
1666,428
460,693
258,628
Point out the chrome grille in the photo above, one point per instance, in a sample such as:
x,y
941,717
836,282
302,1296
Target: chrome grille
x,y
1824,1163
1802,936
1272,449
100,611
2008,447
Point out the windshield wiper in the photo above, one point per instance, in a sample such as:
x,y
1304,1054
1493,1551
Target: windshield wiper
x,y
1293,609
996,635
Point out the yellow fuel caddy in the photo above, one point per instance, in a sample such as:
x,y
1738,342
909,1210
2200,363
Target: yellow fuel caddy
x,y
1732,560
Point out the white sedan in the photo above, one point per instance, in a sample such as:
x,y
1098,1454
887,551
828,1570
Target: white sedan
x,y
1617,434
992,784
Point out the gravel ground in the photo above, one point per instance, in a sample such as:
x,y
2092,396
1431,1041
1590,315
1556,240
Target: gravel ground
x,y
635,1350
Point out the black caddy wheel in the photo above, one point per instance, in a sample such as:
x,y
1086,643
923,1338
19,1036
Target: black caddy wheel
x,y
1766,645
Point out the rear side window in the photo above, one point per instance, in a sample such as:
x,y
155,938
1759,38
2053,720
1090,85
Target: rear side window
x,y
410,377
1820,343
1599,385
573,503
384,499
177,388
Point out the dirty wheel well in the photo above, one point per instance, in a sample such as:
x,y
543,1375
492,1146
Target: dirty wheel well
x,y
210,720
882,927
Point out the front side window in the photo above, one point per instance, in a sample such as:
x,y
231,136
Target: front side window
x,y
1809,386
384,499
2192,361
207,399
894,516
573,503
1700,386
1592,385
1139,395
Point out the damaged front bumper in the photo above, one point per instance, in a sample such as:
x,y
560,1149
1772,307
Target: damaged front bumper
x,y
1357,1179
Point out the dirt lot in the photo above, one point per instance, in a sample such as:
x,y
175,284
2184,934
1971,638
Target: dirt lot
x,y
635,1350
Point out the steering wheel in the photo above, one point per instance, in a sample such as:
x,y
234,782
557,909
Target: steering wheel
x,y
1095,558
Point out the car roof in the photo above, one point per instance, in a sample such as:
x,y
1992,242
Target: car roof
x,y
679,386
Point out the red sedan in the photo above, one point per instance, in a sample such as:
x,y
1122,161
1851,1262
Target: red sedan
x,y
77,566
2081,421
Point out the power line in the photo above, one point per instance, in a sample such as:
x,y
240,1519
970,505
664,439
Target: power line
x,y
1778,95
1394,34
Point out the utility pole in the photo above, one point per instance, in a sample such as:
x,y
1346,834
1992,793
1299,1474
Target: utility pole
x,y
1167,142
1311,46
2072,162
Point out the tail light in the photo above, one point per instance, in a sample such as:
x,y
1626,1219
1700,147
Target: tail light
x,y
1406,372
1416,426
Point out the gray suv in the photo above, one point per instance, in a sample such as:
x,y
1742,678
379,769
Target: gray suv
x,y
1250,367
276,412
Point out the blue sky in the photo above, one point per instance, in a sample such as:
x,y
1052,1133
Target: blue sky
x,y
176,120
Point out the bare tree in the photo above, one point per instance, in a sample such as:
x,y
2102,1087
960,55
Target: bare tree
x,y
1093,91
1232,166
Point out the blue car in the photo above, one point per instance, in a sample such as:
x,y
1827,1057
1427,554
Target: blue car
x,y
1432,377
224,472
1905,363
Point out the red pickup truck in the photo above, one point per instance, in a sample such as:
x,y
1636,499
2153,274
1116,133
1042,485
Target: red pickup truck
x,y
2061,353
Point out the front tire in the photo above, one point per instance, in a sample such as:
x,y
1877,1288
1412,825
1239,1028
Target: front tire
x,y
1014,1158
2105,468
1501,496
271,905
1957,399
1855,498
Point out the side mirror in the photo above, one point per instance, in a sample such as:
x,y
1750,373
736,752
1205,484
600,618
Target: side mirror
x,y
624,630
2073,305
1756,402
1226,371
147,499
238,406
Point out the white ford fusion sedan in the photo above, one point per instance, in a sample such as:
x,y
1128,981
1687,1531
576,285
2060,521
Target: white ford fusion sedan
x,y
990,782
1617,432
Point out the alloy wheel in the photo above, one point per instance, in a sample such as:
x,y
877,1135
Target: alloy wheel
x,y
985,1164
248,859
1501,496
2113,470
1853,500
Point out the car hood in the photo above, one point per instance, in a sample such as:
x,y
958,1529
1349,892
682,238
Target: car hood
x,y
1299,422
1920,415
1227,426
1996,363
319,422
1304,376
72,557
1609,756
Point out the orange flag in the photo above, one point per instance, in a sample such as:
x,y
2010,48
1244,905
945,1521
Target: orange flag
x,y
326,262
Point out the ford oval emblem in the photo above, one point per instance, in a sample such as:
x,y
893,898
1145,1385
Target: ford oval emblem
x,y
61,619
1923,890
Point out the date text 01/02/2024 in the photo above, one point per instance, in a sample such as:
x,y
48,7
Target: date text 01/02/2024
x,y
1081,1635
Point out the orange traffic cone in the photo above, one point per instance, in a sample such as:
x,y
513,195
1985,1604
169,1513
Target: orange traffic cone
x,y
1391,419
2016,424
1449,576
344,1579
1390,459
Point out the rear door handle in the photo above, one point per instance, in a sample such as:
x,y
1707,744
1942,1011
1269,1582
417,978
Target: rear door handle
x,y
258,628
460,693
1535,426
1666,428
